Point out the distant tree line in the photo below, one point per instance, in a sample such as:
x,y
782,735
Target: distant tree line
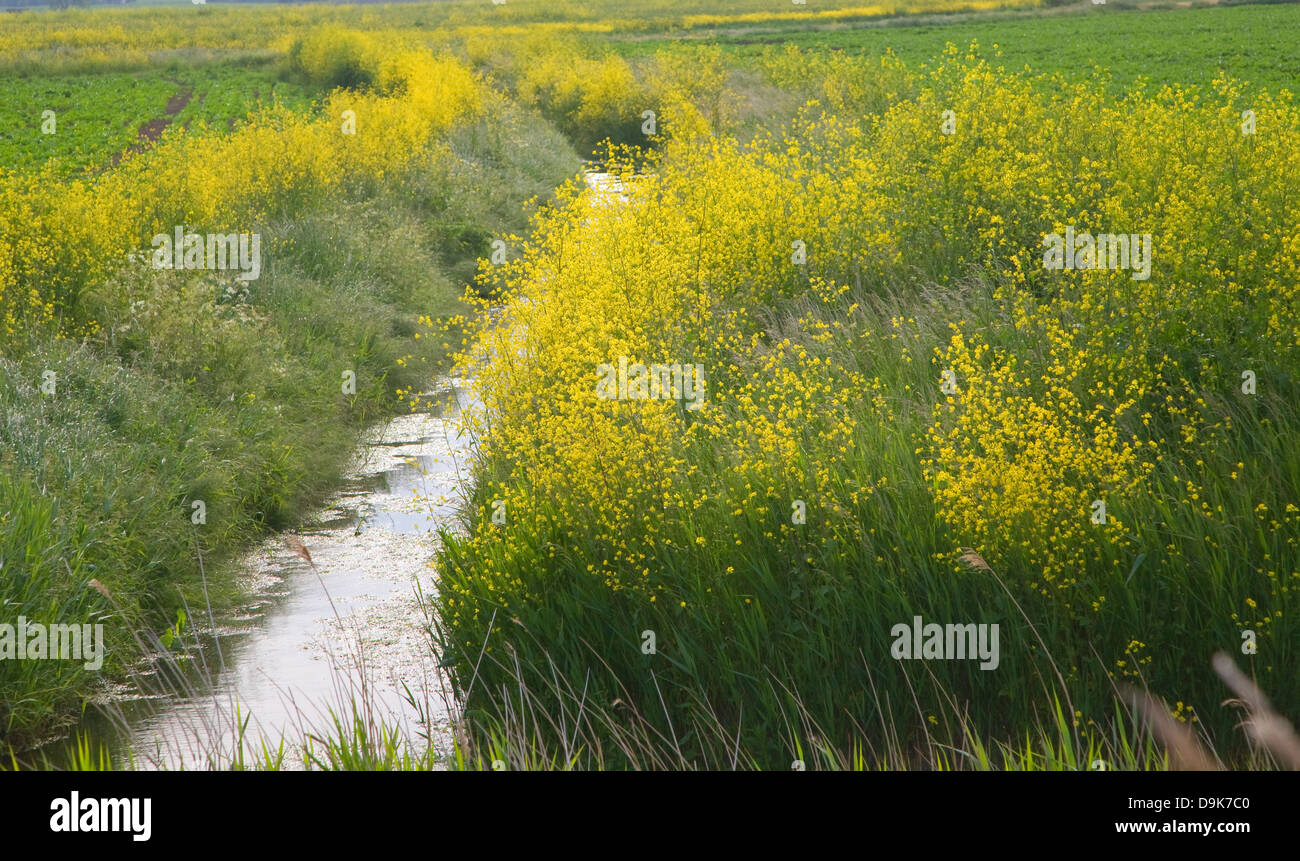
x,y
65,4
59,4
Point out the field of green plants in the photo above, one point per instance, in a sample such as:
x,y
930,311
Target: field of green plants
x,y
1162,45
96,118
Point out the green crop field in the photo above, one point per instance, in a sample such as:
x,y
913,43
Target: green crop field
x,y
96,117
1254,43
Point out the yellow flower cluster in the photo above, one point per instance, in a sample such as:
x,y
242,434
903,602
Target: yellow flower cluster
x,y
57,236
1067,424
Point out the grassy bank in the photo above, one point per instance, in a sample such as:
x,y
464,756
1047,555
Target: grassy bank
x,y
894,379
130,393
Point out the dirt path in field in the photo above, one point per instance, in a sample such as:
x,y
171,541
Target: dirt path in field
x,y
147,135
152,130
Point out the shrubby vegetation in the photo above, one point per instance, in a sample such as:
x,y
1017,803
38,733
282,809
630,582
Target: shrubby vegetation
x,y
824,389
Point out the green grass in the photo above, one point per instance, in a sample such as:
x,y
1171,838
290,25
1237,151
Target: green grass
x,y
357,734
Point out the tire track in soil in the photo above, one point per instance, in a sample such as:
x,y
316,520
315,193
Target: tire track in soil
x,y
149,133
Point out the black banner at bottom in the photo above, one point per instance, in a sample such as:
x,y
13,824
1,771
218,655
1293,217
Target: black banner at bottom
x,y
131,812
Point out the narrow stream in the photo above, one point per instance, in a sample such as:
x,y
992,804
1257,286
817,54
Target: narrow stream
x,y
332,621
336,625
